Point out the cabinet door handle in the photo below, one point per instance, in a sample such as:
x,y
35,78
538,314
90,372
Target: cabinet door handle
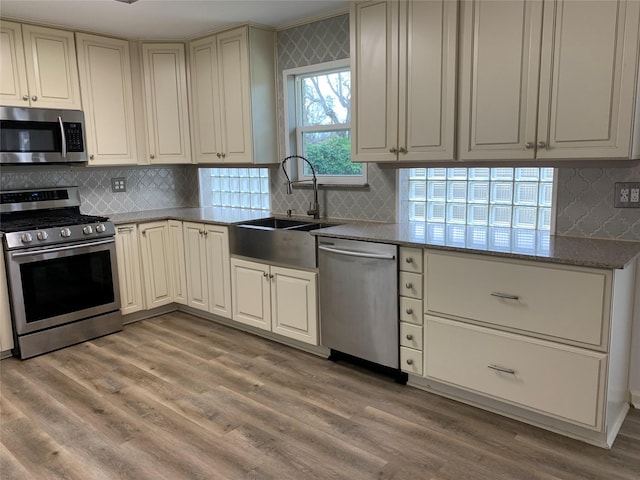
x,y
409,337
528,145
91,157
265,274
25,98
497,368
408,285
409,260
223,155
403,150
144,232
542,145
125,229
393,150
506,296
409,311
218,154
271,275
34,98
409,361
152,156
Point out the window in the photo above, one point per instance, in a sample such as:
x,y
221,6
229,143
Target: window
x,y
235,187
318,116
493,197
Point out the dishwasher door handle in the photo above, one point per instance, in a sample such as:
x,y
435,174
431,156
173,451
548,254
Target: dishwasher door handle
x,y
352,253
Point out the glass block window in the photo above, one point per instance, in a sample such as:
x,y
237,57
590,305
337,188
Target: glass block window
x,y
235,187
493,197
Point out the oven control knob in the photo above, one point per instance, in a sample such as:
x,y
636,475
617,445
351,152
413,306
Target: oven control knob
x,y
100,228
65,232
26,238
87,230
42,235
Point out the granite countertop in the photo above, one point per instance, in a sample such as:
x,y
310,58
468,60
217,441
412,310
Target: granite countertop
x,y
495,241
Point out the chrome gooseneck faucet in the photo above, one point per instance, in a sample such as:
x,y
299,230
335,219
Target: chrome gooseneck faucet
x,y
315,206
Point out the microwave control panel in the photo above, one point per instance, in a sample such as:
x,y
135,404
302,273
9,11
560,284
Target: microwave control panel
x,y
74,137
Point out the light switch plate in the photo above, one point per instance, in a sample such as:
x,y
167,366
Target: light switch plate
x,y
118,184
627,195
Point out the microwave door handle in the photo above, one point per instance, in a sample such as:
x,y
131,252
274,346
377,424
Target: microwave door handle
x,y
63,143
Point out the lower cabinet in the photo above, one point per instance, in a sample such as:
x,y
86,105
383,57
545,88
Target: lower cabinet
x,y
208,280
276,299
156,271
177,262
129,269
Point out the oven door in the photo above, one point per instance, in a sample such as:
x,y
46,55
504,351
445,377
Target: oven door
x,y
57,285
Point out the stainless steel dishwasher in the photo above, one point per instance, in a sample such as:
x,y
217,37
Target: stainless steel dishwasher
x,y
359,299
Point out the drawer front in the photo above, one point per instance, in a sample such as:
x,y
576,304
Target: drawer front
x,y
411,360
411,285
411,336
411,310
565,304
563,381
411,259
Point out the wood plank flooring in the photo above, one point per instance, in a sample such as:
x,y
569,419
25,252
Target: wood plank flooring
x,y
178,397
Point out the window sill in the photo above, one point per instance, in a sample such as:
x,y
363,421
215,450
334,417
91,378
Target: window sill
x,y
331,186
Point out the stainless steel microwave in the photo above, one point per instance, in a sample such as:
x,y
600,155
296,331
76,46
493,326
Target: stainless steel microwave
x,y
41,135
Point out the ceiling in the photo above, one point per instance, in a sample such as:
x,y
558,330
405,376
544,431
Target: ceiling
x,y
166,19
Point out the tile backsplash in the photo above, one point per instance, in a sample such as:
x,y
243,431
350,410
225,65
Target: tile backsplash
x,y
148,188
585,203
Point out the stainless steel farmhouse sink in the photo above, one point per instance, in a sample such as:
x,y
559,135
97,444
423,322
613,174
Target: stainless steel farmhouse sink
x,y
277,240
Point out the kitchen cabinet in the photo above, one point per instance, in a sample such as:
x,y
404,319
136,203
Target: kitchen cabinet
x,y
176,260
6,330
105,77
504,333
129,269
276,299
166,107
156,271
233,97
38,67
548,80
410,265
208,276
403,64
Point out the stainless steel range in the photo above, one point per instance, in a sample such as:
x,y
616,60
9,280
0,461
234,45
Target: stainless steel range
x,y
61,270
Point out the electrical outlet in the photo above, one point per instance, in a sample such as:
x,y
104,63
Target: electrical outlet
x,y
118,184
627,195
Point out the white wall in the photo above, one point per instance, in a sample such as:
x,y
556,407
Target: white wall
x,y
634,375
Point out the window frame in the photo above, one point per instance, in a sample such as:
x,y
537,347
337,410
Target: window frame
x,y
292,94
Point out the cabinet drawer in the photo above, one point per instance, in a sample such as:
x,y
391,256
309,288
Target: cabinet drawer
x,y
554,379
411,336
411,310
562,303
411,360
411,285
411,259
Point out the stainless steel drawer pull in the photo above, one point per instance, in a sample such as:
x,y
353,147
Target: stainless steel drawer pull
x,y
506,296
125,229
408,285
265,274
409,311
409,361
409,260
409,337
501,369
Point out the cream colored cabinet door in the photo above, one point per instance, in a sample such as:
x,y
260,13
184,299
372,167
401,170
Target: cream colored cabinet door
x,y
167,115
52,71
176,259
14,90
218,269
196,268
205,105
404,69
129,269
294,305
105,78
586,106
6,330
251,291
235,101
154,247
499,67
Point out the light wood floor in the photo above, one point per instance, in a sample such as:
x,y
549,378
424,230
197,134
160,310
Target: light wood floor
x,y
178,397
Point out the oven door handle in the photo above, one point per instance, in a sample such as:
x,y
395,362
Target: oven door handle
x,y
63,142
60,249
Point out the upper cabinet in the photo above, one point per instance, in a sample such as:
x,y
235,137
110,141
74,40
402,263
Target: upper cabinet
x,y
38,67
403,80
167,115
105,77
548,80
233,97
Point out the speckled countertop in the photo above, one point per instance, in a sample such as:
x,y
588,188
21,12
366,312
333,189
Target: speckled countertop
x,y
500,242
